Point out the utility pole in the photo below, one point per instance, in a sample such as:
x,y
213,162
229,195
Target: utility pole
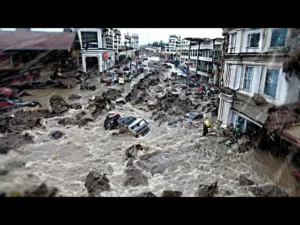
x,y
198,53
188,67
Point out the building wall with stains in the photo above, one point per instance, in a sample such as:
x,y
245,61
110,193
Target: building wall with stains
x,y
256,67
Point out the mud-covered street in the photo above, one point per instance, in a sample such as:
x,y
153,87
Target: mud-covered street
x,y
173,160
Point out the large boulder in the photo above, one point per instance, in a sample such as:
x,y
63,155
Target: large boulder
x,y
168,193
41,191
244,144
146,194
75,106
58,104
135,177
112,94
131,152
96,183
268,191
244,181
207,190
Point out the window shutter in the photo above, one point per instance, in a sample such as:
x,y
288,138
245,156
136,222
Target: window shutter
x,y
232,77
238,77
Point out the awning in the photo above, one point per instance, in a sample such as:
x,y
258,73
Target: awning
x,y
254,113
31,40
292,134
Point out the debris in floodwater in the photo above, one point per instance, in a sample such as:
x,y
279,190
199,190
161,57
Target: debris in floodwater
x,y
146,194
168,193
74,96
207,190
56,134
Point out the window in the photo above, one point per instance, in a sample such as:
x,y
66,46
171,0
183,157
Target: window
x,y
247,78
232,42
89,38
271,82
278,37
253,40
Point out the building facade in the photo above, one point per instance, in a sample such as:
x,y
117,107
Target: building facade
x,y
204,59
135,41
174,44
253,65
96,48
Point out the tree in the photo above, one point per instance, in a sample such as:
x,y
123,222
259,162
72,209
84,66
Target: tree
x,y
122,58
137,52
161,44
129,58
171,55
155,44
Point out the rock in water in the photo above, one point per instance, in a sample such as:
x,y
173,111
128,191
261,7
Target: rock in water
x,y
131,152
76,106
135,177
244,145
96,183
244,181
58,104
268,191
207,190
41,191
168,193
146,194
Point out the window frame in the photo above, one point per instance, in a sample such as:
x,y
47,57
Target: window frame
x,y
249,78
232,45
265,81
250,37
272,30
82,40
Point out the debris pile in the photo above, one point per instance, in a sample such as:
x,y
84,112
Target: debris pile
x,y
279,117
104,102
259,99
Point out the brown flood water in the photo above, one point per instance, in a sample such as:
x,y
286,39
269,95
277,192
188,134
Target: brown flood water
x,y
65,163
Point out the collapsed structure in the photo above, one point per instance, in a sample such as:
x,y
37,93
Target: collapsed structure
x,y
255,84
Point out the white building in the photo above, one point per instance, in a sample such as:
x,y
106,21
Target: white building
x,y
174,44
135,41
117,40
253,64
96,48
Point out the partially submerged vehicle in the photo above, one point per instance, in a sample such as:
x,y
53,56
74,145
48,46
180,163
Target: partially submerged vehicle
x,y
137,126
111,121
193,116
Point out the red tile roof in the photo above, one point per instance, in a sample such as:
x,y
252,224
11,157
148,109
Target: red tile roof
x,y
30,40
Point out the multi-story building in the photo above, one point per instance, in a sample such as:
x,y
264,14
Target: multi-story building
x,y
96,48
208,55
135,41
167,47
253,66
117,41
174,44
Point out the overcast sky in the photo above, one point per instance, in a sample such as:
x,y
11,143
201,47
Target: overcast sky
x,y
157,34
151,35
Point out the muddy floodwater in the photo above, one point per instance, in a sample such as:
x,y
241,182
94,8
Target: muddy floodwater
x,y
186,159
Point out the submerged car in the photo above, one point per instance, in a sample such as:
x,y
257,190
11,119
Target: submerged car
x,y
139,128
111,121
126,121
193,116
